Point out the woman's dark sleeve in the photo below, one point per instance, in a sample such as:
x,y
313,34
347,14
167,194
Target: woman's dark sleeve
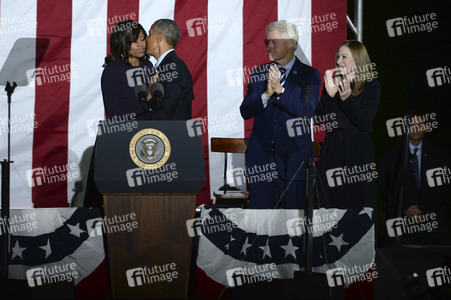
x,y
362,109
111,89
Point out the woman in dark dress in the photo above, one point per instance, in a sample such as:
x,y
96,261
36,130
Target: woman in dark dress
x,y
126,66
350,98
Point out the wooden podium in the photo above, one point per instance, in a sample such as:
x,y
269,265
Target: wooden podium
x,y
149,178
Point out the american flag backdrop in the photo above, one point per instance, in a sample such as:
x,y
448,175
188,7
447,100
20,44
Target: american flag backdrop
x,y
54,118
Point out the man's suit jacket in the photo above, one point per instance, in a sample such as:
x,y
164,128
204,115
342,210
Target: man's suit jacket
x,y
270,140
178,90
429,199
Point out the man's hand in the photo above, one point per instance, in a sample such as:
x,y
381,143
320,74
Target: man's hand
x,y
153,79
413,211
273,85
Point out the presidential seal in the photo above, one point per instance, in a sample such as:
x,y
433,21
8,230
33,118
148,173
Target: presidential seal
x,y
150,149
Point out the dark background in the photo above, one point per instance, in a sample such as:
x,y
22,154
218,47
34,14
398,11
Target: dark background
x,y
401,63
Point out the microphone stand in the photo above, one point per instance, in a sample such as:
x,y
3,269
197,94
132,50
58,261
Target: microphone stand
x,y
401,176
145,106
309,180
6,179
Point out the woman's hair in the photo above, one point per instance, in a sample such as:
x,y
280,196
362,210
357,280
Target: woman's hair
x,y
124,34
364,67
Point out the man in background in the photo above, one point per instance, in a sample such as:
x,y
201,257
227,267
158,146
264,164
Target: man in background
x,y
421,197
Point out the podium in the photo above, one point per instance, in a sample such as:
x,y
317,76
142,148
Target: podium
x,y
149,173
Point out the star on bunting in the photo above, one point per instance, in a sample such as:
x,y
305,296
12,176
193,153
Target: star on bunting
x,y
47,249
266,250
75,230
290,249
338,242
17,250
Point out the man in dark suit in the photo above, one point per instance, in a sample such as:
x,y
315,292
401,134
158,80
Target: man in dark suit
x,y
173,73
274,98
421,196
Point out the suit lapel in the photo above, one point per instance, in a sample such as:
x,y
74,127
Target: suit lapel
x,y
294,77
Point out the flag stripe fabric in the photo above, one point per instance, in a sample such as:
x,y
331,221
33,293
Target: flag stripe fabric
x,y
50,140
87,53
17,21
224,88
55,119
325,42
255,19
57,237
296,12
220,43
121,10
193,49
236,238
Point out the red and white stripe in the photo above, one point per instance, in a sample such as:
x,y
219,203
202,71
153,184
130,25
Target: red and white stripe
x,y
66,111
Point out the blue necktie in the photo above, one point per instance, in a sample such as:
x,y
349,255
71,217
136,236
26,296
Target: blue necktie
x,y
282,75
416,167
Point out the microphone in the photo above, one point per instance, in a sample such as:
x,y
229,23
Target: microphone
x,y
305,84
157,91
141,92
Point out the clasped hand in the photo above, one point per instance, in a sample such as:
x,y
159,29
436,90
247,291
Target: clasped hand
x,y
333,86
273,85
153,80
413,211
